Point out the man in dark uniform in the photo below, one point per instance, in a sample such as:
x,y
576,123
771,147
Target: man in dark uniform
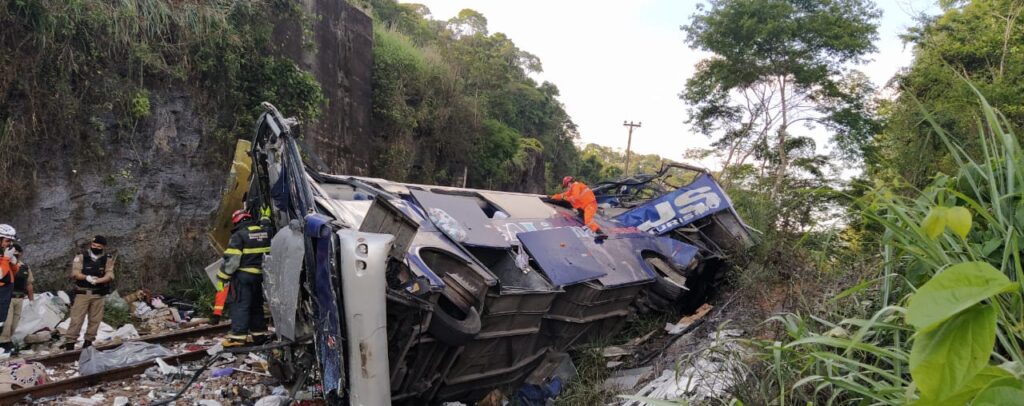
x,y
92,271
243,269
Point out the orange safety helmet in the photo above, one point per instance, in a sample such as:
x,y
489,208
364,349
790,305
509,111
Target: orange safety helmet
x,y
566,181
239,215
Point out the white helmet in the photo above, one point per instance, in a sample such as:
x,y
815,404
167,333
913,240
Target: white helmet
x,y
6,231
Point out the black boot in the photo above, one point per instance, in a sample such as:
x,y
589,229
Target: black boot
x,y
68,346
8,347
260,338
87,344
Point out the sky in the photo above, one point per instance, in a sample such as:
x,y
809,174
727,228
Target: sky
x,y
628,61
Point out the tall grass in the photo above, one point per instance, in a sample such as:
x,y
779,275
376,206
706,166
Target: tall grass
x,y
878,358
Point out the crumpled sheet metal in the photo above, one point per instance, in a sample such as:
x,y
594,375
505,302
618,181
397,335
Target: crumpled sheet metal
x,y
562,256
519,206
701,198
461,218
282,279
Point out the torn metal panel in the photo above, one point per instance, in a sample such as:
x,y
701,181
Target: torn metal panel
x,y
561,256
236,186
212,269
701,198
510,228
620,258
352,212
429,239
460,218
679,253
519,206
328,323
282,277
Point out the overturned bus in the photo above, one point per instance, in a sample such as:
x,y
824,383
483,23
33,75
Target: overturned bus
x,y
414,294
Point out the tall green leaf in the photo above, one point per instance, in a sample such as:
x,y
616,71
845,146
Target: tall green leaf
x,y
955,289
945,359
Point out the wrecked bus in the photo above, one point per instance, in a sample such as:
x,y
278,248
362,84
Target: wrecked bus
x,y
412,294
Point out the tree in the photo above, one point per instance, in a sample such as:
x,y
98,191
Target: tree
x,y
777,63
451,96
980,41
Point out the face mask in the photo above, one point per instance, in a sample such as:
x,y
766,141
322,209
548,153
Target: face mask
x,y
96,251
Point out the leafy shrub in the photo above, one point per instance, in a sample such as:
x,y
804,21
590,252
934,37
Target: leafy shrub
x,y
946,329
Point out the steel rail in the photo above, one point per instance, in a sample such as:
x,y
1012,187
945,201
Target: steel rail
x,y
177,335
29,395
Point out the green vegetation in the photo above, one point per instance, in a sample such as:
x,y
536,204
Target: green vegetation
x,y
914,295
116,317
75,70
450,98
944,327
775,65
977,40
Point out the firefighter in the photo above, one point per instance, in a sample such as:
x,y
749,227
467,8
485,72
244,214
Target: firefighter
x,y
21,289
92,271
243,269
9,266
582,199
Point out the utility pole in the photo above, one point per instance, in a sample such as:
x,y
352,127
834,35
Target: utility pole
x,y
629,143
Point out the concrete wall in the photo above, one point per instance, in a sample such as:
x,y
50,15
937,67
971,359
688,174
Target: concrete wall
x,y
337,47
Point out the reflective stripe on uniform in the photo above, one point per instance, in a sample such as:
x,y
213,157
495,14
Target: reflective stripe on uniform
x,y
255,228
261,250
251,270
232,251
223,275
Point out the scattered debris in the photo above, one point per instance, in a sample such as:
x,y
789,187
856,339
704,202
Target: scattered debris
x,y
627,379
167,369
43,313
706,374
17,374
687,321
642,339
494,398
547,380
114,301
616,351
121,401
555,364
94,400
250,372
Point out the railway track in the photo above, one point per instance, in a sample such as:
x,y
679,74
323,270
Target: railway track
x,y
174,336
28,395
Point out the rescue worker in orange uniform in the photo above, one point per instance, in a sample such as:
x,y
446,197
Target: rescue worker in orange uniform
x,y
9,266
582,199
